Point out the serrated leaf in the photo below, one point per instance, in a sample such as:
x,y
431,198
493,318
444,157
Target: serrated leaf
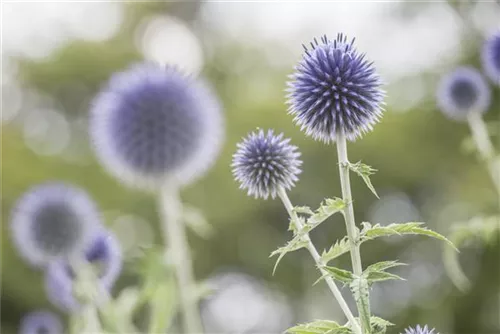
x,y
379,325
360,290
340,247
320,327
329,207
341,275
384,265
291,246
304,210
364,171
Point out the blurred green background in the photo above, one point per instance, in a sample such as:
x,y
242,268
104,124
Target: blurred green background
x,y
57,55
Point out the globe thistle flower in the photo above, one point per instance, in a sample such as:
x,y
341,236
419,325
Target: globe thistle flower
x,y
490,57
335,90
104,253
462,92
41,322
264,163
53,221
419,330
152,124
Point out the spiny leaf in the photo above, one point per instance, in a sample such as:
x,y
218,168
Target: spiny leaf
x,y
364,171
340,247
304,210
360,290
379,325
384,265
329,207
291,246
320,327
376,272
338,274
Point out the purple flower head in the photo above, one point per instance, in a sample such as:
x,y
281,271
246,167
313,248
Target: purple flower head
x,y
462,92
264,163
419,330
335,89
490,57
152,124
41,322
53,221
105,253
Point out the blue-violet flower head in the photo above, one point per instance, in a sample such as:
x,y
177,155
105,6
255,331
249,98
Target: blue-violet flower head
x,y
490,57
264,163
53,221
41,322
334,90
152,124
462,92
419,330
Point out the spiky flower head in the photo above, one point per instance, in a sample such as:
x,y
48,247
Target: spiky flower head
x,y
53,221
419,330
335,89
104,254
490,57
264,163
42,321
462,92
152,124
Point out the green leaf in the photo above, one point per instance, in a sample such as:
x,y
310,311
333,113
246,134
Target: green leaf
x,y
304,210
291,246
360,290
364,171
340,247
329,207
416,228
163,306
376,272
320,327
338,274
197,222
379,325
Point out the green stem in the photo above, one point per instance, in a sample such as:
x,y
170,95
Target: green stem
x,y
352,231
174,235
319,263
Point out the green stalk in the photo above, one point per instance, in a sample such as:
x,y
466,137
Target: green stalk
x,y
319,263
352,231
174,235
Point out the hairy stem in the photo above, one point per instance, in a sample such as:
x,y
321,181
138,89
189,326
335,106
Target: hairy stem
x,y
352,231
174,235
319,263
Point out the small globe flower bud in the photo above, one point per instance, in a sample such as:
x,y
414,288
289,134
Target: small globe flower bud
x,y
53,221
419,330
462,92
490,57
41,322
152,124
264,163
335,89
104,253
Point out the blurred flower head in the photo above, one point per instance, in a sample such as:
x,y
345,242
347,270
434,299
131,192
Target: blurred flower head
x,y
419,330
462,92
41,322
264,163
335,89
490,57
152,124
104,255
53,221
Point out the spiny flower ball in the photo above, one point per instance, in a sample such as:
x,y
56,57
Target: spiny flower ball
x,y
104,253
152,124
264,163
490,57
419,330
335,90
38,322
52,221
462,92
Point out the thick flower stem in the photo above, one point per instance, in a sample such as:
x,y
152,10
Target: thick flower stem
x,y
174,235
319,263
485,147
352,231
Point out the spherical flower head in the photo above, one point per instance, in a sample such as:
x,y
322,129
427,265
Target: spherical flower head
x,y
490,57
419,330
264,163
41,322
152,124
53,221
462,92
335,90
104,253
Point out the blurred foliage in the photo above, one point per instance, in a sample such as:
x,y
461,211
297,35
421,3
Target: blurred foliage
x,y
416,152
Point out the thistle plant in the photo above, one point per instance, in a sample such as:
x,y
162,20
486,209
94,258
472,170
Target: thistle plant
x,y
156,129
335,95
419,330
